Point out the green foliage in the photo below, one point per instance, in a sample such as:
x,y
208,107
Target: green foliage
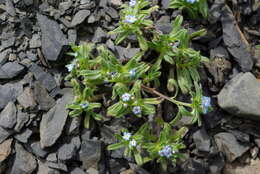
x,y
102,83
193,7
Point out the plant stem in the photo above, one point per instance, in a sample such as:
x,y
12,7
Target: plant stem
x,y
153,91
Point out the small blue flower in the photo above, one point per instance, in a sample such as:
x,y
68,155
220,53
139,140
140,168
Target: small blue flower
x,y
191,1
126,97
132,3
132,73
84,105
132,143
130,19
205,103
166,151
137,110
70,67
127,136
175,44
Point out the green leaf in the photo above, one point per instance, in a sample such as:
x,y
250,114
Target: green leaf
x,y
201,32
121,37
117,110
168,59
142,42
138,159
148,109
115,146
203,8
177,24
153,101
87,121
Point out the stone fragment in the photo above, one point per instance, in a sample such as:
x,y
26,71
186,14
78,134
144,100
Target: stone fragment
x,y
228,144
235,40
35,42
37,150
8,116
202,140
238,168
24,136
4,134
10,70
26,99
43,168
241,96
99,35
79,17
24,161
9,92
5,149
53,122
22,119
54,42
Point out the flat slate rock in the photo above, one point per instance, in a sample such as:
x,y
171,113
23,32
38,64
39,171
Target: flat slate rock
x,y
9,92
10,70
241,96
79,17
8,116
24,162
54,42
235,41
53,122
227,143
45,79
5,149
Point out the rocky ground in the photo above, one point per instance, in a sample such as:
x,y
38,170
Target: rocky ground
x,y
36,134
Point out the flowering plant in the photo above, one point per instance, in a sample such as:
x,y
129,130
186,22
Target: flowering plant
x,y
105,86
194,7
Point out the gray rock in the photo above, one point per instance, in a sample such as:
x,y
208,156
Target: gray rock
x,y
116,3
9,92
73,125
46,79
164,25
126,53
22,119
43,168
107,134
240,136
215,11
24,162
26,99
228,144
32,56
58,166
4,57
79,17
5,149
90,154
52,123
4,134
8,116
235,41
241,96
54,42
63,6
35,42
68,150
77,171
8,43
112,12
99,35
165,4
44,100
10,8
217,165
52,157
24,136
72,36
192,166
10,70
202,140
38,151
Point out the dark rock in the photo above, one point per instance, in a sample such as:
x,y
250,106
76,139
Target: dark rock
x,y
79,17
37,150
235,41
216,164
215,11
35,42
54,42
219,52
228,144
22,119
42,97
10,8
165,3
202,140
73,125
26,99
192,167
43,168
58,166
4,134
77,171
52,123
72,36
10,70
3,57
5,149
8,116
9,92
46,79
241,96
68,151
90,153
164,25
7,43
24,136
107,134
24,161
99,35
240,136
